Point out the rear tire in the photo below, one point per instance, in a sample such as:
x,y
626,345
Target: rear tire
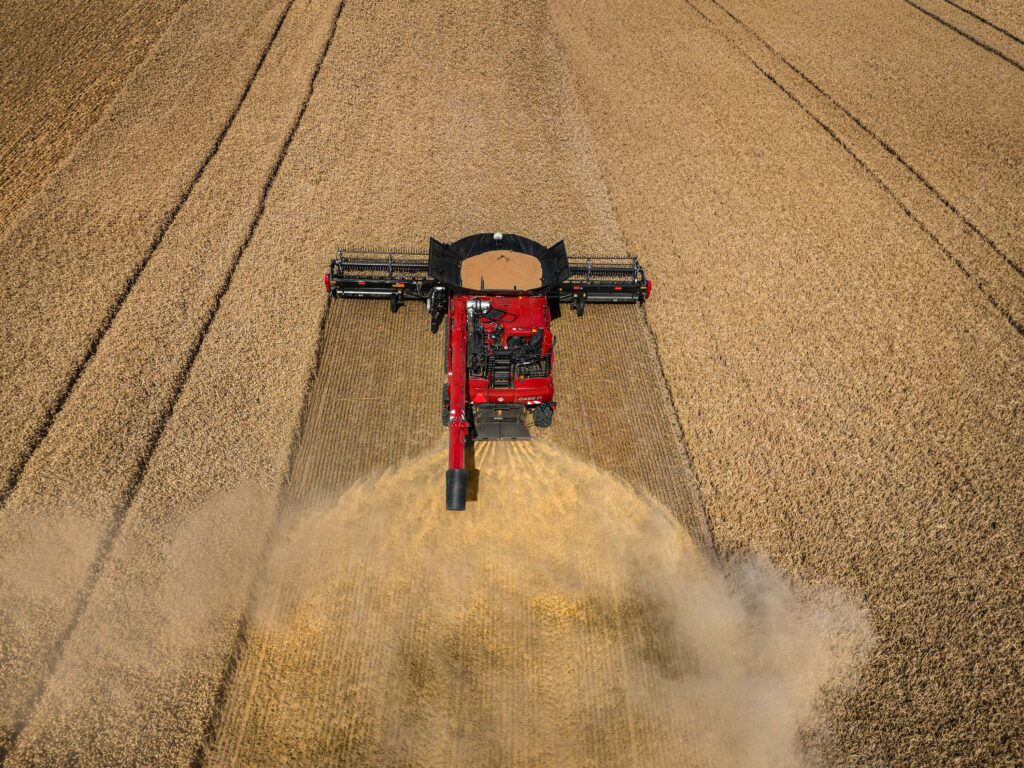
x,y
395,302
543,415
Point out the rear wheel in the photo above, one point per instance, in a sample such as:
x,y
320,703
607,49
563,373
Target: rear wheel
x,y
543,415
446,406
395,302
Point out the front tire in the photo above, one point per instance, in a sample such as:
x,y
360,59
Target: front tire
x,y
581,303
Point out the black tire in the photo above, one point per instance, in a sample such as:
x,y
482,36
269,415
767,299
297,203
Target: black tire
x,y
455,483
395,302
581,303
543,415
446,406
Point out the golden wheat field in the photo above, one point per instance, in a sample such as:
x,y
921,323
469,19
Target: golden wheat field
x,y
777,519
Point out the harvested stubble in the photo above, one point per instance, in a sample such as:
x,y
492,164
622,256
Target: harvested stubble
x,y
67,504
561,620
853,405
614,410
62,63
72,255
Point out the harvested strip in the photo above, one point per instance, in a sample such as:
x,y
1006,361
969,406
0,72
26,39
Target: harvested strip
x,y
949,108
82,52
72,256
368,412
852,405
615,411
91,461
612,412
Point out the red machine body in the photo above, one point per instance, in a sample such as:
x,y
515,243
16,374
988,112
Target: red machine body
x,y
500,363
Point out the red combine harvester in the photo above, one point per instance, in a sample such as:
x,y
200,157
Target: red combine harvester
x,y
499,293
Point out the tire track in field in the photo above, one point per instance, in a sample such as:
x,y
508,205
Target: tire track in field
x,y
985,21
147,455
119,301
1001,278
948,204
974,38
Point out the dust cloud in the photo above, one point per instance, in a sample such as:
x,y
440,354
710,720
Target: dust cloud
x,y
563,619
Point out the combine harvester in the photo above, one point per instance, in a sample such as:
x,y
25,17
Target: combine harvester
x,y
499,293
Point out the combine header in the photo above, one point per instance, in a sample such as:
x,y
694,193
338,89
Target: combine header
x,y
496,294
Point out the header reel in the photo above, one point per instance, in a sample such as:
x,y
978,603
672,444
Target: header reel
x,y
399,276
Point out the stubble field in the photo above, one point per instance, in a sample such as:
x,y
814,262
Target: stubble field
x,y
775,522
